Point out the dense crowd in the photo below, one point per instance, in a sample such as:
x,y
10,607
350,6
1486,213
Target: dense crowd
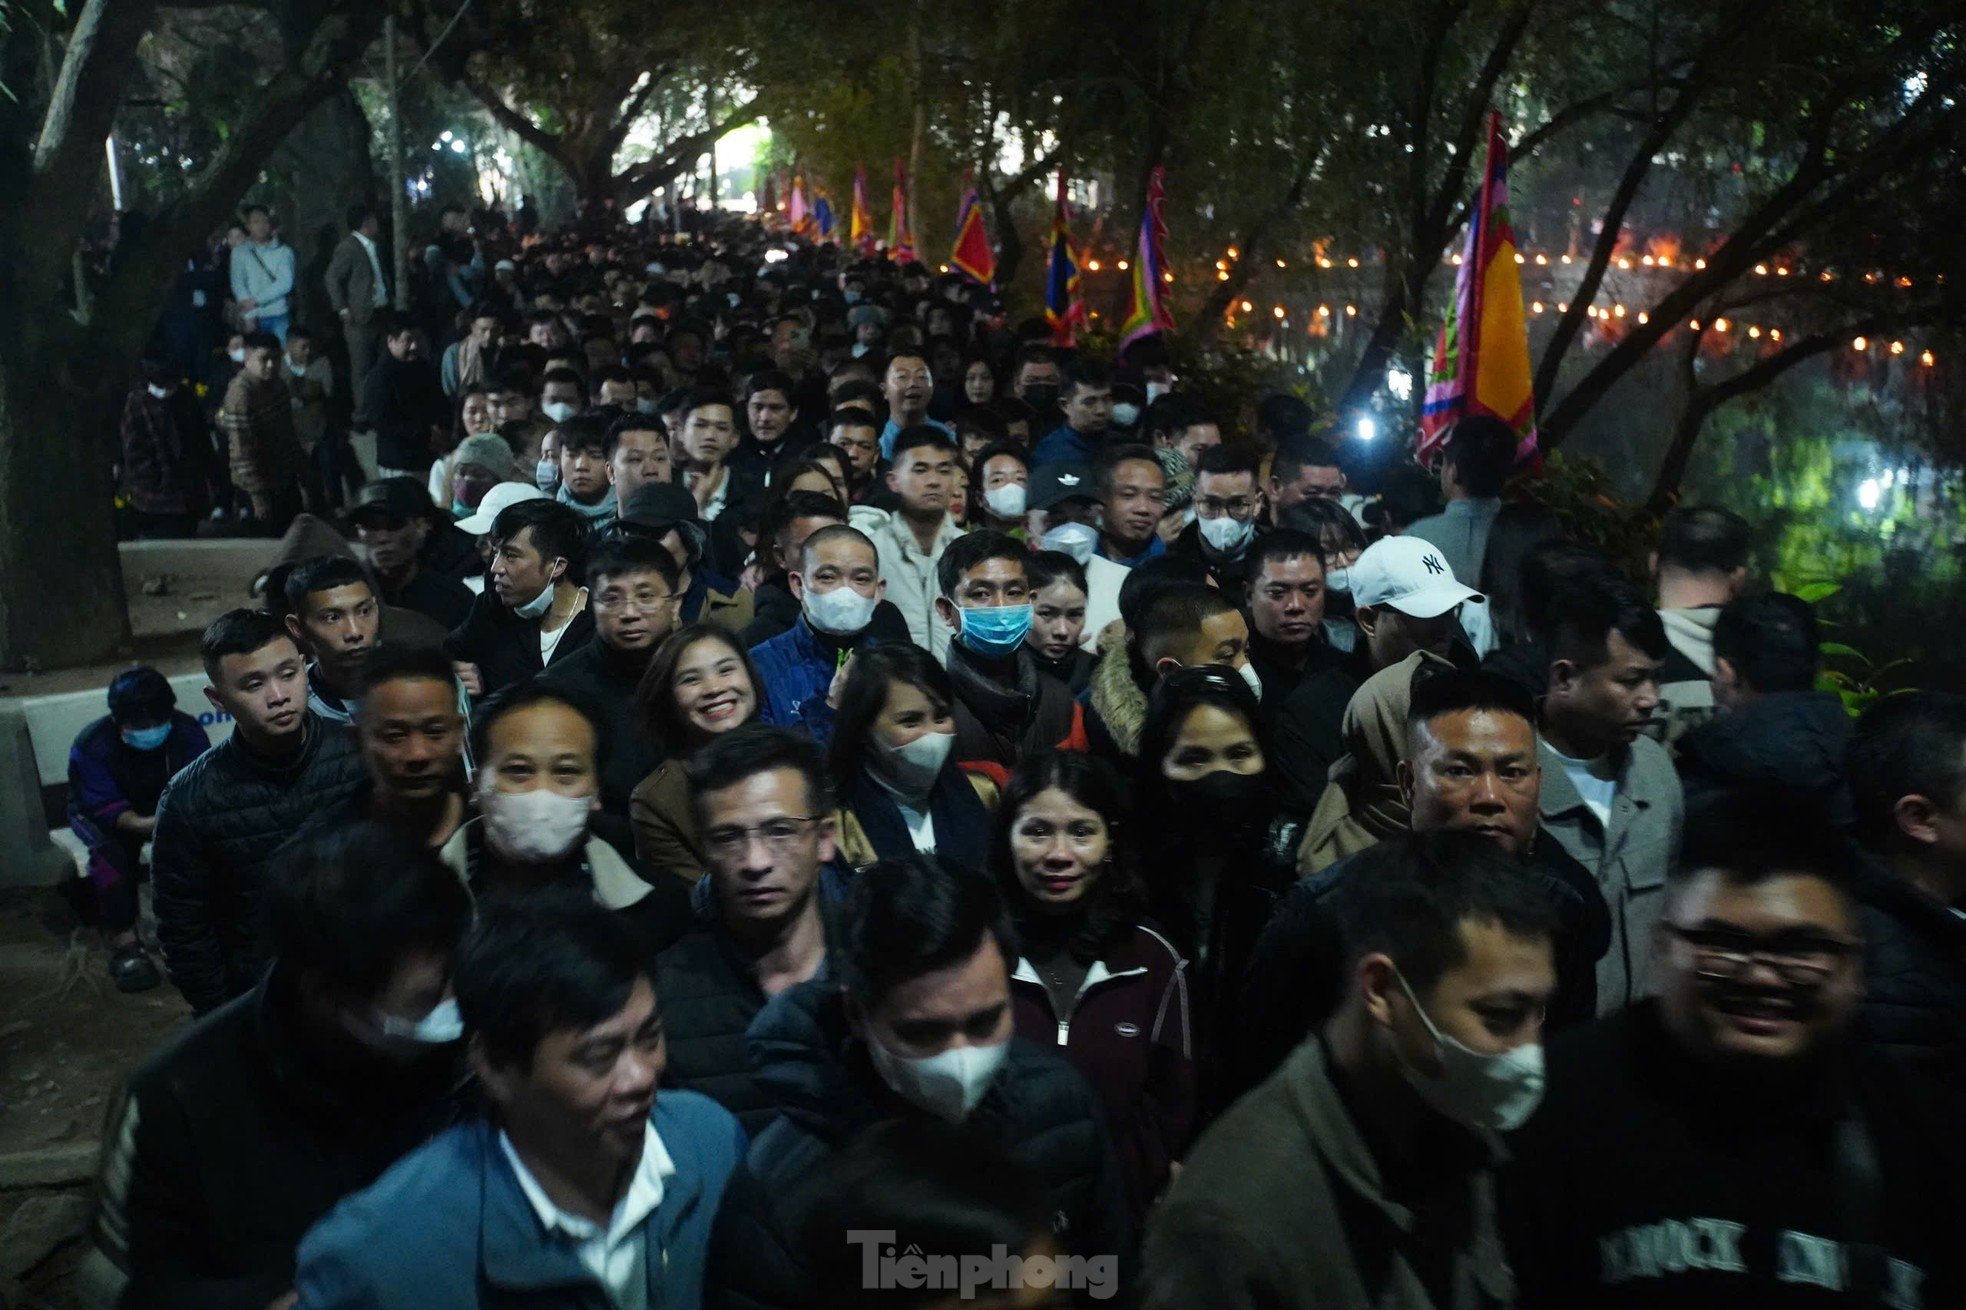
x,y
756,782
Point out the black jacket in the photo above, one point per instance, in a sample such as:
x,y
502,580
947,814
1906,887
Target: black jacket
x,y
234,1139
1039,1109
1006,724
773,612
403,400
1230,575
1914,975
218,825
1787,741
1306,724
609,679
452,552
434,594
1075,670
505,647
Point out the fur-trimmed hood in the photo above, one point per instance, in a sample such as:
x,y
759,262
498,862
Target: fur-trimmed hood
x,y
1112,694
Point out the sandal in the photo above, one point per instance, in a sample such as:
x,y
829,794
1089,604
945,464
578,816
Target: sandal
x,y
132,970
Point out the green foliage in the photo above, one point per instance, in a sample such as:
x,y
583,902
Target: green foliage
x,y
1580,492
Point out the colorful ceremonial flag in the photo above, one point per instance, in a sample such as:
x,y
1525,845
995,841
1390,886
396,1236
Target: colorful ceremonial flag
x,y
823,220
900,239
860,226
797,214
1063,308
971,252
768,196
1146,310
1481,357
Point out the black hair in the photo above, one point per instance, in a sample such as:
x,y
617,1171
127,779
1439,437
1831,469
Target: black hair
x,y
1481,451
1281,544
1112,457
561,375
523,696
247,211
347,905
1770,640
634,421
1169,704
865,695
1230,458
1908,745
1283,416
358,214
1180,609
1517,529
1704,539
323,573
558,532
1033,353
850,416
141,695
837,532
1148,579
728,759
1463,691
585,432
1747,836
1171,413
1319,518
972,549
623,553
1584,614
655,696
1407,496
1083,372
1113,904
401,661
1408,896
770,379
914,914
262,341
1299,453
159,372
238,632
541,963
1045,567
1549,569
982,421
923,434
304,334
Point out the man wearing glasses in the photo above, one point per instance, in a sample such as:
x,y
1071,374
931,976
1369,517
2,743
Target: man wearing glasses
x,y
1228,511
764,808
1736,1141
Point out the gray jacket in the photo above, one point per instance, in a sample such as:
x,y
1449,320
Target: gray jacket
x,y
1460,533
1629,859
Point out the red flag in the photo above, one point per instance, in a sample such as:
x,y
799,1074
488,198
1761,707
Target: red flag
x,y
900,238
972,253
860,225
1146,310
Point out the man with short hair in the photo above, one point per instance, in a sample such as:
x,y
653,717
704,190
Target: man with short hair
x,y
1907,768
310,382
764,812
262,268
358,290
1701,564
725,499
839,585
1285,600
560,394
391,518
534,612
792,518
635,594
257,420
403,399
165,453
1005,709
581,1184
1228,500
1306,469
468,361
1035,377
1362,1173
908,386
1474,464
1175,423
1282,418
1735,1141
333,616
1087,402
912,1021
248,1127
638,454
912,538
584,486
666,512
1132,486
1610,795
222,817
774,435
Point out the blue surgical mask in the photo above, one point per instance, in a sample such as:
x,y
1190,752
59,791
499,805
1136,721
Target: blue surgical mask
x,y
147,739
995,631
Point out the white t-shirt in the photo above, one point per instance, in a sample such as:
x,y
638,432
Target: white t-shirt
x,y
1595,780
549,641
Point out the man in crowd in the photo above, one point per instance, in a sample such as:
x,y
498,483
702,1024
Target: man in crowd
x,y
1286,613
560,395
257,420
1005,709
908,387
1061,513
1701,564
1305,469
1474,464
239,1135
911,540
1176,622
404,402
1907,766
1363,1172
793,517
468,361
358,291
1734,1141
839,586
1132,487
333,616
166,453
1035,377
1087,402
585,486
635,595
914,1021
776,437
852,430
533,612
310,382
392,520
262,276
223,816
724,500
1174,423
579,1184
764,810
666,512
638,454
1610,795
1228,501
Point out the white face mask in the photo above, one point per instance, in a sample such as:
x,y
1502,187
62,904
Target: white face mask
x,y
913,768
162,393
532,827
644,405
536,607
1253,678
237,356
1078,540
1338,580
948,1085
1155,390
1227,536
1125,415
1497,1092
442,1025
1007,501
841,611
546,474
558,410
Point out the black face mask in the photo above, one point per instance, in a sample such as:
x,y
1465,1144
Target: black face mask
x,y
1235,801
1043,397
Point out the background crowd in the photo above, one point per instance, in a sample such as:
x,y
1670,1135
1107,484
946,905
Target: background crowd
x,y
744,747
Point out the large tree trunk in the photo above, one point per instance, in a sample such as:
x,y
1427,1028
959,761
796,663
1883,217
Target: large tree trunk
x,y
321,169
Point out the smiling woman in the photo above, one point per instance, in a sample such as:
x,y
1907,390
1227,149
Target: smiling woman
x,y
700,685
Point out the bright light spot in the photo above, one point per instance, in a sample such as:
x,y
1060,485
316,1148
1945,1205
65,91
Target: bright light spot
x,y
1324,311
1619,310
1761,270
1643,318
1535,306
1868,493
1246,306
1278,311
775,256
1222,276
1721,325
1234,253
1351,311
1897,347
1367,429
1167,277
458,147
1399,382
1563,307
1926,359
1566,259
1281,264
1122,266
1645,260
1092,265
1774,334
1699,263
1754,332
1860,344
1352,262
1624,263
1519,258
446,137
1542,261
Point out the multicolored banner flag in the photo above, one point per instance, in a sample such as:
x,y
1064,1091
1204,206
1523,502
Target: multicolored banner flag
x,y
823,219
900,238
971,253
1481,357
768,197
1064,310
1146,310
797,213
860,225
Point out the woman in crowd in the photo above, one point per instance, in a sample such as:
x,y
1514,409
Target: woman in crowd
x,y
699,685
979,379
900,788
1093,978
1058,604
812,471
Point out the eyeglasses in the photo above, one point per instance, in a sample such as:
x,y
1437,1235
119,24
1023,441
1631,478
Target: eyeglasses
x,y
1798,957
645,601
778,835
1214,507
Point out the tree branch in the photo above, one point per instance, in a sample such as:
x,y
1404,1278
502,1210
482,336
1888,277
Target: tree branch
x,y
652,173
551,143
100,60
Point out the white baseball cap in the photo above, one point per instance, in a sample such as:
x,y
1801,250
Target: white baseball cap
x,y
1408,574
498,499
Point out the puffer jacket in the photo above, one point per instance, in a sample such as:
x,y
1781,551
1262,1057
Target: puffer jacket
x,y
1115,705
218,825
1914,975
1038,1109
1787,741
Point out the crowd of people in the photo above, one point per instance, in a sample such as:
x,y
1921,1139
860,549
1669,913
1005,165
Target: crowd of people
x,y
778,788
